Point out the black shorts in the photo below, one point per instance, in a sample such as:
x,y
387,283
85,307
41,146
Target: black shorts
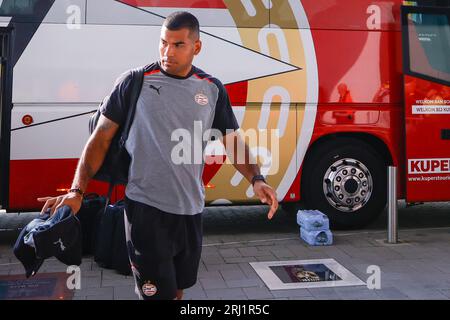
x,y
164,249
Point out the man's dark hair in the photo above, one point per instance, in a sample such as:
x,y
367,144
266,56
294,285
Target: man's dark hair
x,y
183,20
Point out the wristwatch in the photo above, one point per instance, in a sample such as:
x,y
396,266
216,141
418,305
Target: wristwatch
x,y
76,190
258,177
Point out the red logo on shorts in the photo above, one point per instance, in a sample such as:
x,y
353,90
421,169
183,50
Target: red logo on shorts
x,y
149,289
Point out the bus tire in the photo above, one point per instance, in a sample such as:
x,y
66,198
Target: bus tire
x,y
346,180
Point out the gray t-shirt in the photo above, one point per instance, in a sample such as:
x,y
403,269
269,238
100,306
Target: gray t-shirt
x,y
166,139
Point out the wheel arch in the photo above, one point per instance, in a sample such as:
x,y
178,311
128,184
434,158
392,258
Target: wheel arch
x,y
378,144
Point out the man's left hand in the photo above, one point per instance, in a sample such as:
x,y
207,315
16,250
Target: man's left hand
x,y
267,195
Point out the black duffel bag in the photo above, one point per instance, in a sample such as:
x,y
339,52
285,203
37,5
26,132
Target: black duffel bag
x,y
89,215
111,250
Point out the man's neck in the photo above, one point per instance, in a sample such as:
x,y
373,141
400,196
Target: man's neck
x,y
181,74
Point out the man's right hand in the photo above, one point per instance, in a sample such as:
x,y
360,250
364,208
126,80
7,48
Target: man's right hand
x,y
72,199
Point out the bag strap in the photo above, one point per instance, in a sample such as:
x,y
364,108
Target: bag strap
x,y
136,86
137,78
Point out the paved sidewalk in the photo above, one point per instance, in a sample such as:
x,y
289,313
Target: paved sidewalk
x,y
419,268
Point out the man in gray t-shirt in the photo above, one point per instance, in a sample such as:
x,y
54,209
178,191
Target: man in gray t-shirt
x,y
159,176
165,193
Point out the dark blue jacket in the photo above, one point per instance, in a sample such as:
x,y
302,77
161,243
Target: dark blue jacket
x,y
56,236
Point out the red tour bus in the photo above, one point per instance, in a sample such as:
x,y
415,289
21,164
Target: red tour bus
x,y
351,86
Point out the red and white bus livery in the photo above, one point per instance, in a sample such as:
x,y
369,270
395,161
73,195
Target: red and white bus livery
x,y
351,86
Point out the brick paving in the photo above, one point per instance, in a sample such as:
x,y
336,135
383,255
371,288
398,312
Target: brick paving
x,y
417,268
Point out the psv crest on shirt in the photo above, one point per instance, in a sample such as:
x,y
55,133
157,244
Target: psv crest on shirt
x,y
201,99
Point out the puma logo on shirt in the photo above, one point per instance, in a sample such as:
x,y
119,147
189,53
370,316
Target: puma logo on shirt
x,y
155,88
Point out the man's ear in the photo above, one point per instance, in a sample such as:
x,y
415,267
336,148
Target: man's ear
x,y
198,47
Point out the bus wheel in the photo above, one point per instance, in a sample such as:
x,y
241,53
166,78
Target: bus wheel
x,y
346,180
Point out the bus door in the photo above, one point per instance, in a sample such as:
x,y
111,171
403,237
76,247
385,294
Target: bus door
x,y
426,66
5,113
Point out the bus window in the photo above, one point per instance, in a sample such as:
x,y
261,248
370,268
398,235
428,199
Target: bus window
x,y
17,7
429,45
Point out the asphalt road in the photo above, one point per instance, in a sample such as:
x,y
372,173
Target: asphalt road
x,y
238,220
253,219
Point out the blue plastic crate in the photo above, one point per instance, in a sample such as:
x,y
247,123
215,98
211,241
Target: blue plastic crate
x,y
312,220
317,238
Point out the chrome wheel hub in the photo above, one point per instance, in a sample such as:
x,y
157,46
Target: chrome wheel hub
x,y
347,185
